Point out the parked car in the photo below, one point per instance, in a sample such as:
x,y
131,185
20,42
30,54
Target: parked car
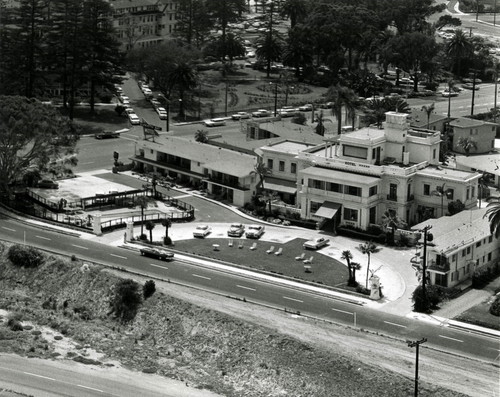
x,y
447,93
261,113
106,134
316,243
240,116
254,231
202,231
215,122
162,113
129,110
47,184
156,103
236,230
134,119
306,108
157,254
470,86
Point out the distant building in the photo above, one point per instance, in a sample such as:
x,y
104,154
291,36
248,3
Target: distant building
x,y
481,132
143,23
462,245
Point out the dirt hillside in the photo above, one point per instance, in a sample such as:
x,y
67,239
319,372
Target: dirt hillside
x,y
229,347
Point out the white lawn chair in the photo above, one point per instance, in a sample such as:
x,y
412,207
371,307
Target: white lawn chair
x,y
301,257
230,242
254,246
270,250
241,244
279,252
308,261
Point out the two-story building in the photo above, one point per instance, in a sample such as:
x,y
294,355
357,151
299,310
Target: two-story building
x,y
462,244
358,176
225,174
481,132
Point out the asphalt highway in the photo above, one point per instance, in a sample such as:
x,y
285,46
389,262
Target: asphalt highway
x,y
266,291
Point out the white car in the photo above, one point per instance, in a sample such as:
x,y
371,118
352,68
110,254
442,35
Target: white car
x,y
202,231
254,231
129,110
236,230
287,111
261,113
316,243
448,94
306,108
215,122
134,119
240,116
162,113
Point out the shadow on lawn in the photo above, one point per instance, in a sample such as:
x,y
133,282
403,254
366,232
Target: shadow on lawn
x,y
323,269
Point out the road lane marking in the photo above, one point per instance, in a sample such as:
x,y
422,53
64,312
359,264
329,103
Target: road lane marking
x,y
79,246
161,267
91,388
342,311
118,256
197,275
395,324
8,228
242,286
293,299
90,162
43,238
38,376
447,337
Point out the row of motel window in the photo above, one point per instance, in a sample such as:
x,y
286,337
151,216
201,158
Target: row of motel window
x,y
338,188
281,166
466,251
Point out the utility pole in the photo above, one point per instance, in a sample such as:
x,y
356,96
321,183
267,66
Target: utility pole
x,y
427,236
474,71
416,344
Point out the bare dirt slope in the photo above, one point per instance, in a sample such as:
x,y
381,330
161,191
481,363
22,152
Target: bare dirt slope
x,y
231,348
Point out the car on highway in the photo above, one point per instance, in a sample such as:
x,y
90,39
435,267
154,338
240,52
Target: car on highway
x,y
254,231
306,108
215,122
240,116
125,100
316,243
261,113
202,231
47,184
236,230
157,254
470,86
287,111
156,103
447,93
134,119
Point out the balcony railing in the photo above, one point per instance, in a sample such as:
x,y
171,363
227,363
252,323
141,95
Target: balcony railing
x,y
392,197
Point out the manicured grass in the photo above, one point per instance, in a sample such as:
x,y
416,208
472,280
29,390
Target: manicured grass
x,y
103,118
324,269
480,315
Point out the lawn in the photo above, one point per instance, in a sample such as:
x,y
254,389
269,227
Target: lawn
x,y
103,118
480,315
324,269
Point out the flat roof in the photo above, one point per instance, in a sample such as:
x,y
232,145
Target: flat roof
x,y
465,122
447,173
482,162
289,147
340,176
363,134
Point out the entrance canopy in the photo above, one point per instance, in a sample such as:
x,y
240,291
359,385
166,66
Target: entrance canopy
x,y
280,185
328,210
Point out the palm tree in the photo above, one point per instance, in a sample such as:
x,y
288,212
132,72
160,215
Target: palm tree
x,y
368,248
262,171
341,97
184,77
201,136
150,226
467,144
269,48
428,109
391,219
493,214
143,202
354,266
167,223
268,197
451,86
296,10
458,48
347,256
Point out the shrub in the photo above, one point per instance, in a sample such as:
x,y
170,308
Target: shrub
x,y
434,296
299,118
495,307
126,300
167,240
14,324
148,289
143,237
25,256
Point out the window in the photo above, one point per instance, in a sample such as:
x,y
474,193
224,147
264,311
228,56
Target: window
x,y
463,253
335,187
350,214
354,151
490,239
316,184
353,191
372,191
282,166
270,164
293,168
468,268
473,192
489,257
427,189
434,154
393,191
450,193
454,258
467,193
468,250
373,215
315,206
478,244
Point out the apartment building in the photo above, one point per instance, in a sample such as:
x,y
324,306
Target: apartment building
x,y
481,132
462,245
143,23
223,173
356,177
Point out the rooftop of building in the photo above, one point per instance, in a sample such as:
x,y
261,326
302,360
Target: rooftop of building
x,y
339,175
453,233
289,147
441,172
363,134
418,118
465,122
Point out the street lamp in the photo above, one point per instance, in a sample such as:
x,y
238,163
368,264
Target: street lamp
x,y
416,344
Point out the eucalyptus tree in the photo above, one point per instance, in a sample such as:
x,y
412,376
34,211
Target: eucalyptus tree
x,y
297,52
193,22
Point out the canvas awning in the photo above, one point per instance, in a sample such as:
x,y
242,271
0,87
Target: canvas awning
x,y
328,210
280,185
